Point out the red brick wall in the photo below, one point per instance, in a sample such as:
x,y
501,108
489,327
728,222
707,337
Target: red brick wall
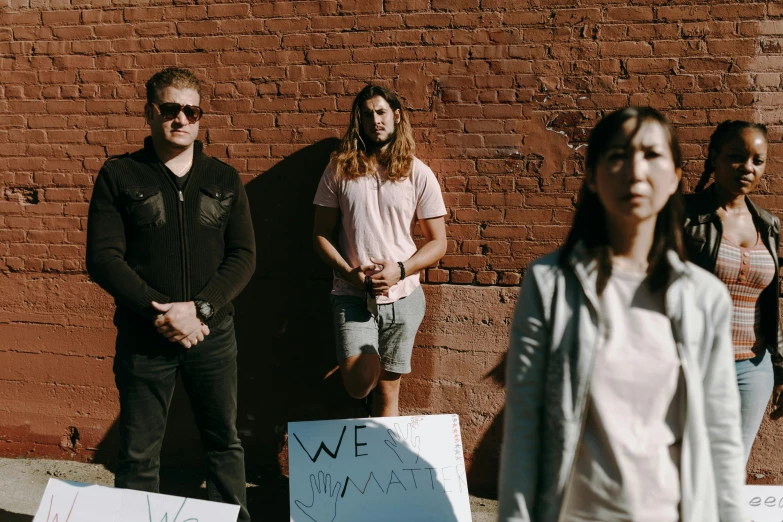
x,y
502,93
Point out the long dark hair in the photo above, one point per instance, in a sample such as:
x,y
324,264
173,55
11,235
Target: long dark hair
x,y
351,157
590,225
724,132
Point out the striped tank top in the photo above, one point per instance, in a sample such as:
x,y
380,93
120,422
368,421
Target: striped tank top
x,y
746,272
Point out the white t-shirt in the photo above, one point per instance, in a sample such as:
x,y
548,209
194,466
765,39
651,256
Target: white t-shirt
x,y
378,217
628,465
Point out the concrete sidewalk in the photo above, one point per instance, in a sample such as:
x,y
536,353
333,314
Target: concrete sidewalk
x,y
22,483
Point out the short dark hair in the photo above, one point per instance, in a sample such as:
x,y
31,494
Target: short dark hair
x,y
590,224
723,133
171,77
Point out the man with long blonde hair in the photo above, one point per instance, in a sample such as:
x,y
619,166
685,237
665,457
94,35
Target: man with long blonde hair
x,y
371,196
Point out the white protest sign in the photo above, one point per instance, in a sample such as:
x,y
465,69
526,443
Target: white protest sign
x,y
764,503
379,469
76,502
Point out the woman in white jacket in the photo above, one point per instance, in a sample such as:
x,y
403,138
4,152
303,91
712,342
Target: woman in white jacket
x,y
621,401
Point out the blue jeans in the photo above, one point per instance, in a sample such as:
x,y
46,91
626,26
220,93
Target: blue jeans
x,y
755,380
145,370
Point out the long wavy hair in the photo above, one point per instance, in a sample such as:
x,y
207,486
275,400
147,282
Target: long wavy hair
x,y
354,159
590,224
725,131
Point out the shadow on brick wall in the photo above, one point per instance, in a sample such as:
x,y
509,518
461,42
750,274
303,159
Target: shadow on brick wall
x,y
283,318
286,349
284,326
484,463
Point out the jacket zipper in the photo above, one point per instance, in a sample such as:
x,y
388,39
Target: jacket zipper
x,y
183,248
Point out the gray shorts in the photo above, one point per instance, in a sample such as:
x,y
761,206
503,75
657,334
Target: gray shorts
x,y
390,334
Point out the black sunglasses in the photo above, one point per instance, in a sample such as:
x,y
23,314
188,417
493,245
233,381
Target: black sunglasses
x,y
169,111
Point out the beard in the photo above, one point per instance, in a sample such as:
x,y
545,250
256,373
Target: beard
x,y
374,145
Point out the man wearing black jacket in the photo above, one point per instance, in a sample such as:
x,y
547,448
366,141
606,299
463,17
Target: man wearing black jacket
x,y
170,237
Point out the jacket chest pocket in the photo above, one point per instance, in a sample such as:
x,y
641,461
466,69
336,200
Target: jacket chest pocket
x,y
214,206
145,206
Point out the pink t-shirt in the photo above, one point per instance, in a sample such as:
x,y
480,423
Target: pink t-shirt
x,y
378,216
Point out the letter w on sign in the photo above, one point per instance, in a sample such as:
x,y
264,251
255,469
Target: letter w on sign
x,y
322,447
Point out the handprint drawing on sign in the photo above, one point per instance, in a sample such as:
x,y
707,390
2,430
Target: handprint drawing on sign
x,y
323,508
397,437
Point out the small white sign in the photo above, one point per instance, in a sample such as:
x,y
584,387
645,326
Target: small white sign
x,y
764,503
77,502
379,469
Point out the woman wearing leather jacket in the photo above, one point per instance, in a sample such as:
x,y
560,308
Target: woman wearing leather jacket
x,y
732,237
620,395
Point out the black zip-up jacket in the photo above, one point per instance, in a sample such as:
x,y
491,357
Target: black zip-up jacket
x,y
703,234
148,241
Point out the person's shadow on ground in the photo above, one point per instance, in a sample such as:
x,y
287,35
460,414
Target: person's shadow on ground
x,y
7,516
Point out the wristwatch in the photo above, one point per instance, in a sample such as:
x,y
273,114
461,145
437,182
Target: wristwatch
x,y
204,310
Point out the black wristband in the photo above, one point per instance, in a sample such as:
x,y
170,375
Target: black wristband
x,y
402,269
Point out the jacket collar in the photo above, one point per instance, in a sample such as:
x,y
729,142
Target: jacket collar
x,y
585,266
707,210
707,205
762,216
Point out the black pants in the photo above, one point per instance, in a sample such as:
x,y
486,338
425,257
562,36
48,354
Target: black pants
x,y
145,371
